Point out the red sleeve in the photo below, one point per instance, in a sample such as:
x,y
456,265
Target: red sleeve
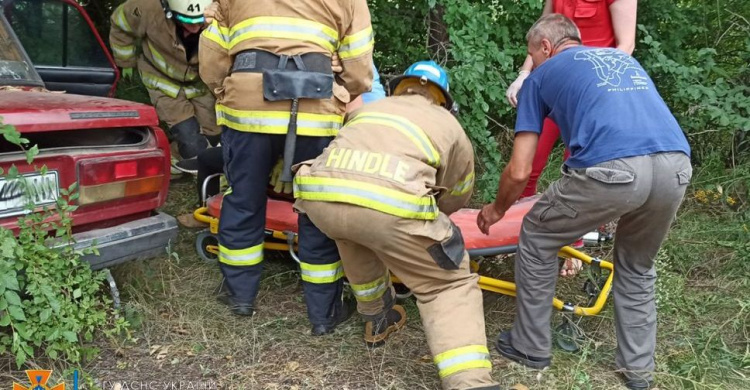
x,y
609,2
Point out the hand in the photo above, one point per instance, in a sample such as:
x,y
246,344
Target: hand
x,y
512,92
336,66
127,73
209,14
275,179
488,217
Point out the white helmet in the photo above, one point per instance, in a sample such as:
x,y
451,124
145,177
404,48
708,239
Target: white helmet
x,y
186,11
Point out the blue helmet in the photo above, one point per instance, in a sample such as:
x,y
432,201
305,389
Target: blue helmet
x,y
426,71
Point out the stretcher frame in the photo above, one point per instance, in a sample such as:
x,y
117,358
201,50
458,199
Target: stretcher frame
x,y
285,240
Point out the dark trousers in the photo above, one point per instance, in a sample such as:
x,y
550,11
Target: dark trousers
x,y
210,162
248,161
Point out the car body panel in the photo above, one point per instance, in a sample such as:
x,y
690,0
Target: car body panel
x,y
32,111
73,134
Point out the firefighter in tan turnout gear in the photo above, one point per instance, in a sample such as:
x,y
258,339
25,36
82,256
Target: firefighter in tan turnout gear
x,y
277,95
383,190
167,33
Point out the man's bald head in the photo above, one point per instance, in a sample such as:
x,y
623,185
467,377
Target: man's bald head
x,y
550,34
553,27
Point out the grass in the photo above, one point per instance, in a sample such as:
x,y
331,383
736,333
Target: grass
x,y
179,333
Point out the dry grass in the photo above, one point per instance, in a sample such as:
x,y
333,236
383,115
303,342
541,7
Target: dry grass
x,y
180,333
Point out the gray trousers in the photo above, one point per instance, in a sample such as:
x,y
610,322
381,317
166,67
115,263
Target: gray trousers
x,y
644,192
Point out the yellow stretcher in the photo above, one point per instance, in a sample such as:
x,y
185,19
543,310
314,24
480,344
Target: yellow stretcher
x,y
281,235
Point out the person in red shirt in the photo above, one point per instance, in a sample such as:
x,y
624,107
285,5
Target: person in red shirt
x,y
602,23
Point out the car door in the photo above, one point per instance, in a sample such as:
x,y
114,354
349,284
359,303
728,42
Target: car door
x,y
63,45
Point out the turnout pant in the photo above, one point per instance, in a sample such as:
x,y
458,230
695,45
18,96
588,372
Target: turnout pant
x,y
248,160
450,302
644,192
189,120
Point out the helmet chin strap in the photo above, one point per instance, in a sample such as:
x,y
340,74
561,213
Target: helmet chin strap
x,y
167,11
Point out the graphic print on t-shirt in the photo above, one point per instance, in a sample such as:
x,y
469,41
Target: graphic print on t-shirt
x,y
612,66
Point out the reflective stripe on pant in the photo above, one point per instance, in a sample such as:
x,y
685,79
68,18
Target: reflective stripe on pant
x,y
644,192
449,301
369,280
176,110
321,270
248,160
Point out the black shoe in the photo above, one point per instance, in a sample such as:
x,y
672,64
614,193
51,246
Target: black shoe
x,y
348,308
240,309
189,165
504,346
637,384
402,292
376,332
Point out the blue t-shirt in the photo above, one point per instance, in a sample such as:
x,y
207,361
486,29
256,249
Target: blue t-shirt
x,y
604,103
377,91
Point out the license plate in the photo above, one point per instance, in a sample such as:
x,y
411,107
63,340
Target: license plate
x,y
41,190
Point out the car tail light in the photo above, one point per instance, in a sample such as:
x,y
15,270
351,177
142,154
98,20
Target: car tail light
x,y
111,178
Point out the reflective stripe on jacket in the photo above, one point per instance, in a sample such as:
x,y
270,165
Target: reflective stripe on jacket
x,y
162,60
290,28
402,156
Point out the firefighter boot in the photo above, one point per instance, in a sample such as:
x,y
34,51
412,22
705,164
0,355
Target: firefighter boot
x,y
348,307
189,139
378,330
224,296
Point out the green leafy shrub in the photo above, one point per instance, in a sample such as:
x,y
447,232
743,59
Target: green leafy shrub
x,y
50,300
711,106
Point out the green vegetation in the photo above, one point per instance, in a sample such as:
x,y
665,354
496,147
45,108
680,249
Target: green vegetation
x,y
50,301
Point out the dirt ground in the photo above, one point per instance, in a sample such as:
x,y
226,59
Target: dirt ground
x,y
181,338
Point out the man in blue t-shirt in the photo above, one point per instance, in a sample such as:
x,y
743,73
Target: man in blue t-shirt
x,y
628,159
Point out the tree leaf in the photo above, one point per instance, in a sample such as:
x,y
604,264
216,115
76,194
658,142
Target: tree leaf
x,y
16,313
20,358
76,293
31,153
7,247
5,320
12,298
70,336
45,314
11,281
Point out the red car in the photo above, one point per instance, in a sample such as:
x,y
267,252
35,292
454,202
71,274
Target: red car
x,y
113,149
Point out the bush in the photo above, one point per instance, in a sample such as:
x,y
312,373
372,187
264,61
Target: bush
x,y
50,301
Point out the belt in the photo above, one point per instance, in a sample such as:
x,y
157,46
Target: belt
x,y
258,60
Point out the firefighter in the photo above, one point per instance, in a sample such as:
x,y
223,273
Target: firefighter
x,y
276,94
385,199
168,31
